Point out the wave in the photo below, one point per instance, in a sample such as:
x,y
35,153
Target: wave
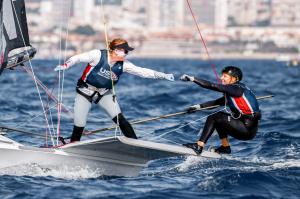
x,y
64,172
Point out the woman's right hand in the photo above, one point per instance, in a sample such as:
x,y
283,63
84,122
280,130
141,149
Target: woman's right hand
x,y
66,65
160,75
61,67
169,77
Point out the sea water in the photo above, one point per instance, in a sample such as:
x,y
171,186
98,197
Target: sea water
x,y
266,167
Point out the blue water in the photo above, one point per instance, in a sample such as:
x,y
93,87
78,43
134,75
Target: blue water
x,y
266,167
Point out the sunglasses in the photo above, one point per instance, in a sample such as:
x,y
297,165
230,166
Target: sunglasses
x,y
125,51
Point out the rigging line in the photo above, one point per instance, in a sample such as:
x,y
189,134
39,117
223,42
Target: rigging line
x,y
35,116
154,138
167,116
51,117
108,58
203,41
40,97
59,80
51,120
189,123
50,111
59,85
1,45
63,77
13,129
48,92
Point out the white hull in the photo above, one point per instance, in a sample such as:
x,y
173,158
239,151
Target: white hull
x,y
113,156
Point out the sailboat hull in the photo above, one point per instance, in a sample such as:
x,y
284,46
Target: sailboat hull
x,y
114,156
17,157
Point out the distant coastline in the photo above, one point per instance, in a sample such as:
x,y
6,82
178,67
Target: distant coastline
x,y
221,56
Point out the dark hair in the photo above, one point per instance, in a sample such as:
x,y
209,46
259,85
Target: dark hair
x,y
234,72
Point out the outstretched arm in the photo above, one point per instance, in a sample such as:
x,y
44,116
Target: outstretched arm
x,y
145,72
92,57
230,89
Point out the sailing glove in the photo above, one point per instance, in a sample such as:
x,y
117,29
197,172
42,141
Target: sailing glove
x,y
160,75
66,65
193,108
169,77
61,67
186,78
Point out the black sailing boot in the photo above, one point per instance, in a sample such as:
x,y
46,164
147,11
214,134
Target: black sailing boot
x,y
223,149
125,126
198,149
77,132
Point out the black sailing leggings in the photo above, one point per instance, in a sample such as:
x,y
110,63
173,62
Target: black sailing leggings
x,y
241,129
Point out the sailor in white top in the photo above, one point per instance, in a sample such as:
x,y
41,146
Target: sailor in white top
x,y
102,72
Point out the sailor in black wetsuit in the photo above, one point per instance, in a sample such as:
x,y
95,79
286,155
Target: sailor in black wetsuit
x,y
242,110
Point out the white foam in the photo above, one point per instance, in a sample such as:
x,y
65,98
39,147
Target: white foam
x,y
283,164
286,164
189,162
64,172
291,150
207,182
246,164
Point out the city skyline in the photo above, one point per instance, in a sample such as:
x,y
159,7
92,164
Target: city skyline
x,y
156,14
253,25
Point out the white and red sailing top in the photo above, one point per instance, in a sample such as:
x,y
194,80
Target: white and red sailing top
x,y
93,58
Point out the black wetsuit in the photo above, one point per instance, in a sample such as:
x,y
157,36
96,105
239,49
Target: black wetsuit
x,y
242,120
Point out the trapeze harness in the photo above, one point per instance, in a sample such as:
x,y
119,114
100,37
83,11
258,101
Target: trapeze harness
x,y
96,81
240,120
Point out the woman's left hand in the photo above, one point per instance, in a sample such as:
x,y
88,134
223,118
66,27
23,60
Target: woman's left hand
x,y
186,77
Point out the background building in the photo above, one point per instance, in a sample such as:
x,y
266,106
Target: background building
x,y
285,13
162,28
212,13
164,14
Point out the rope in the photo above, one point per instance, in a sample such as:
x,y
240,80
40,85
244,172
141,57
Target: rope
x,y
111,76
154,138
1,44
40,97
61,82
51,96
203,41
34,117
189,123
48,92
51,121
168,132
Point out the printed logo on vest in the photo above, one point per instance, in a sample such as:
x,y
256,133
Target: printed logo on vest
x,y
106,74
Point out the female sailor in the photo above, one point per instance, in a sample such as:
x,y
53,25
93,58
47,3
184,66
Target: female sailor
x,y
101,74
242,118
